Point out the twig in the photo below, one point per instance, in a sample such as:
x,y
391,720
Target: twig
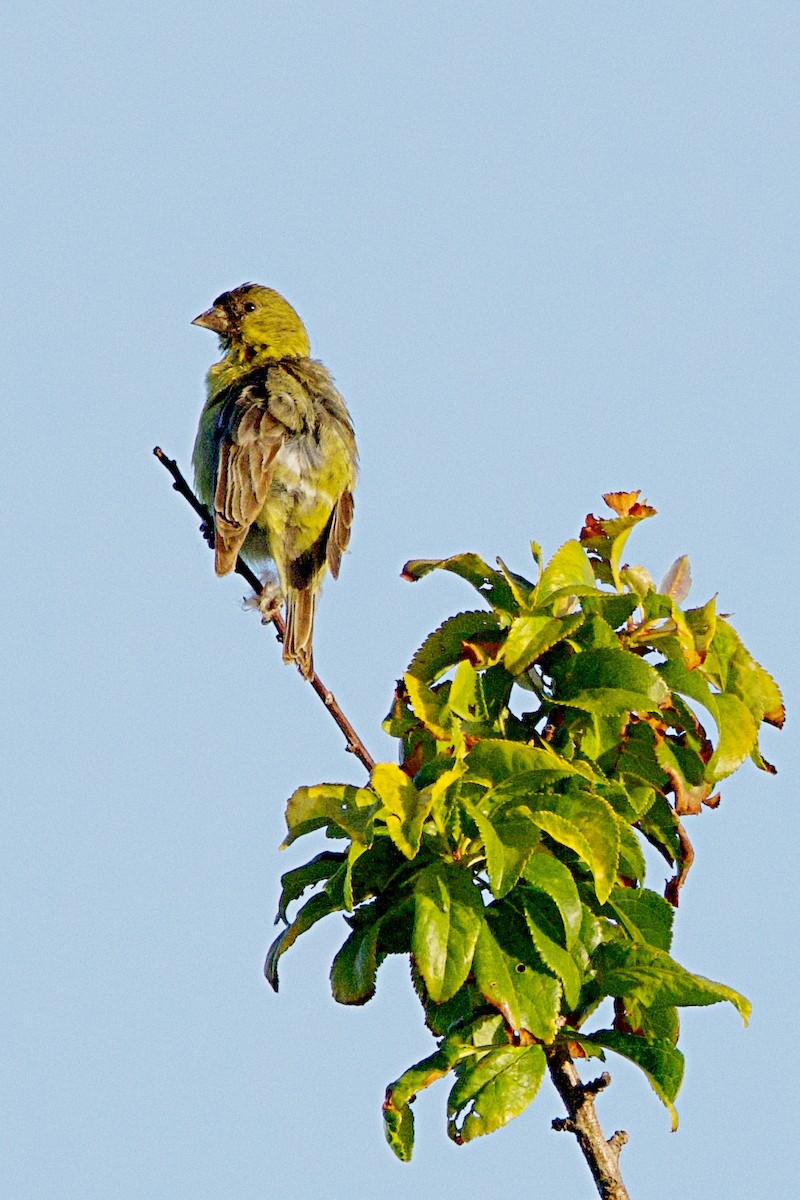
x,y
354,744
602,1155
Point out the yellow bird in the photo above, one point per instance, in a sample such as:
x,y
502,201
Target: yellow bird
x,y
275,457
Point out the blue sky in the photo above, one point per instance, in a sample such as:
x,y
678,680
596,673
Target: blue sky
x,y
547,251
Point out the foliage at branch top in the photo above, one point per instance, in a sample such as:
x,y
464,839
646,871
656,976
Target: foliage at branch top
x,y
542,739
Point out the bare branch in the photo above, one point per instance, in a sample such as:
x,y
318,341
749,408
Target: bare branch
x,y
602,1155
354,744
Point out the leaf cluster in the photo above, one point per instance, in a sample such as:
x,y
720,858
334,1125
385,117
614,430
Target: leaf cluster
x,y
542,740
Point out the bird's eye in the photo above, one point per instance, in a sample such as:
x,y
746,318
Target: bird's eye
x,y
249,307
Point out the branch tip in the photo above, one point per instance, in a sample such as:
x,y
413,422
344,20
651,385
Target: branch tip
x,y
618,1140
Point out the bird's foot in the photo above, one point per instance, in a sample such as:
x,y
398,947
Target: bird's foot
x,y
207,530
269,600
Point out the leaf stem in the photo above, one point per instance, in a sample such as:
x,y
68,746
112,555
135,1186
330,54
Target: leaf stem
x,y
353,742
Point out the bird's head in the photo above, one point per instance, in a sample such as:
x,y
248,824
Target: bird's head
x,y
257,321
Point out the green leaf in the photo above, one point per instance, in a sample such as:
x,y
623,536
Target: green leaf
x,y
661,1062
466,697
490,583
588,825
608,680
646,916
404,808
518,837
448,916
530,637
685,771
492,1089
508,842
735,670
355,966
632,865
510,980
569,567
550,876
312,911
555,957
348,808
398,1117
738,736
429,707
611,606
653,978
454,1013
637,759
445,646
295,882
492,760
398,1127
353,855
521,588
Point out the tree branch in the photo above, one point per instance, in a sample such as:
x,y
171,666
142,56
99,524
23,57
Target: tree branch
x,y
602,1155
354,744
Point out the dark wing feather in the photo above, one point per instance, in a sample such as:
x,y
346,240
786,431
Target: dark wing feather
x,y
340,532
250,437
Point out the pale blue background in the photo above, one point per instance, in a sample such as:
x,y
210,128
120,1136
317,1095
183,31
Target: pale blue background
x,y
547,251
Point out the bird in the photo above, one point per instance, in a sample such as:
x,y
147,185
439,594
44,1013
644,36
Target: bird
x,y
275,458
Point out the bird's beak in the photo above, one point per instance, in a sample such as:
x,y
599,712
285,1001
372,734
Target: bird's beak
x,y
215,319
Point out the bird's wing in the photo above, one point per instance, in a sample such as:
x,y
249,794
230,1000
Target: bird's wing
x,y
339,532
250,437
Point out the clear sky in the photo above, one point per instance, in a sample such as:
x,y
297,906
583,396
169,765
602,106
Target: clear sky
x,y
548,250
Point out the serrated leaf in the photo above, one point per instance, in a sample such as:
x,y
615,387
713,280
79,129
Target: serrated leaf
x,y
353,855
588,825
661,1062
466,698
313,910
493,1089
398,1128
445,646
404,809
295,882
521,588
632,864
530,637
429,707
397,1115
508,979
608,680
348,808
448,917
685,771
569,567
550,876
493,760
738,736
652,977
508,842
736,671
646,916
555,957
355,966
615,609
471,567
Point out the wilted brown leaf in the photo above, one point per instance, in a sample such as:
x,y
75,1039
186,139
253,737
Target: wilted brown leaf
x,y
621,502
592,528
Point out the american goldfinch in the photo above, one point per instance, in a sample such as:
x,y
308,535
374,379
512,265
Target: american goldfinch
x,y
275,456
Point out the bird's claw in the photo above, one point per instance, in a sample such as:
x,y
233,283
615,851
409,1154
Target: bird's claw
x,y
207,530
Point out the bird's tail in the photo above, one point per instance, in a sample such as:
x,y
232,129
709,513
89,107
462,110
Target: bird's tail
x,y
300,606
